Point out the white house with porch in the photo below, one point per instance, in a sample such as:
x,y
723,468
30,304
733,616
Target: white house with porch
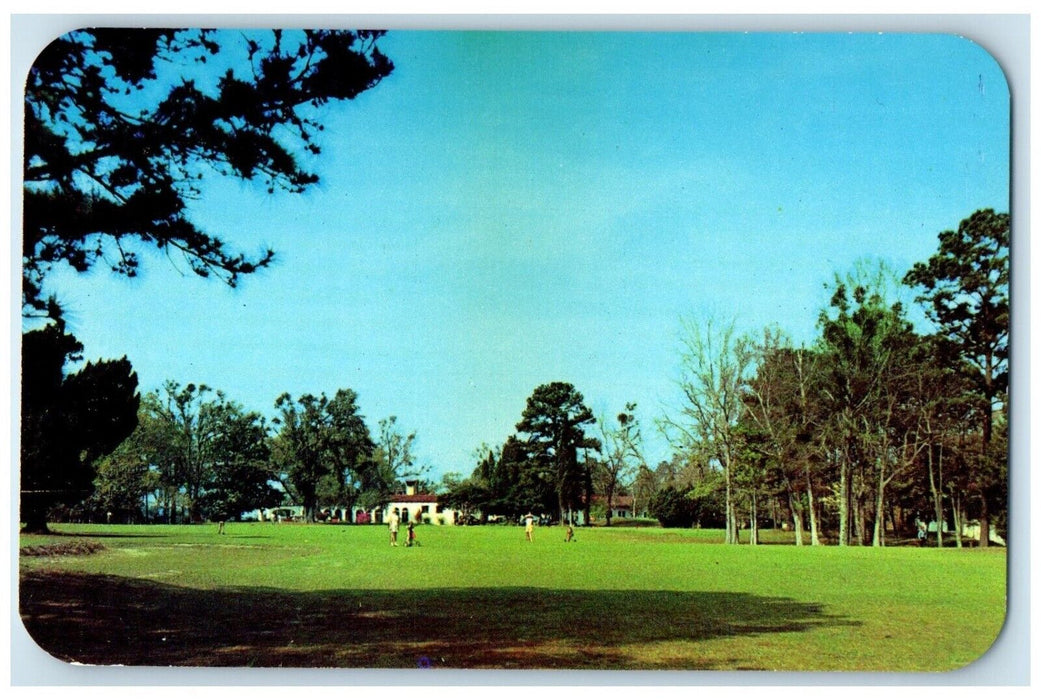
x,y
412,507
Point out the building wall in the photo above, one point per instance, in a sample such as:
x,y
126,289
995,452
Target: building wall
x,y
416,511
411,512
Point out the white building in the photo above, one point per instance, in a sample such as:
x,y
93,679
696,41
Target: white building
x,y
412,507
279,514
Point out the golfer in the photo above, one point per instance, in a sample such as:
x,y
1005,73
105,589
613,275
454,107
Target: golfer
x,y
529,526
393,522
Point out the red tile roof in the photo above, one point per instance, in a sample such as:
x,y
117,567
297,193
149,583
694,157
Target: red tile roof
x,y
413,498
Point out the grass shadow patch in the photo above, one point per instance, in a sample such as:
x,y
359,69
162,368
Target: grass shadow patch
x,y
103,619
100,535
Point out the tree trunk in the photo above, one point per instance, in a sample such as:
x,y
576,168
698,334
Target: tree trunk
x,y
984,521
587,510
194,515
309,500
959,519
753,536
814,532
843,504
878,537
34,515
860,518
988,428
935,478
731,516
796,509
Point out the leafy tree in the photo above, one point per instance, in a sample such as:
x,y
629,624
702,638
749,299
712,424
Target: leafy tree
x,y
392,463
240,478
122,124
709,504
753,468
181,440
471,494
519,483
466,495
69,421
643,488
394,456
487,489
319,436
156,438
554,420
945,411
965,290
506,481
899,439
778,405
863,338
209,453
124,480
673,508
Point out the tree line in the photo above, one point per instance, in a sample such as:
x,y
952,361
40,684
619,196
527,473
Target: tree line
x,y
847,439
842,438
193,454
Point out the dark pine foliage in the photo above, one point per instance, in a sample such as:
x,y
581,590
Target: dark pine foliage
x,y
121,124
68,420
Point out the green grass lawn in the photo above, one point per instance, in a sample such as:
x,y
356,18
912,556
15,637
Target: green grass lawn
x,y
269,594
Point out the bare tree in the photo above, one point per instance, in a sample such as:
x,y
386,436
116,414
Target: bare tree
x,y
714,363
622,455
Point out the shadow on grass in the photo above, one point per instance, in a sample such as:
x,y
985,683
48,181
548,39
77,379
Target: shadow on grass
x,y
99,535
139,535
97,619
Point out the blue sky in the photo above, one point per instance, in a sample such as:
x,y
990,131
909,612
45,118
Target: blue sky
x,y
510,209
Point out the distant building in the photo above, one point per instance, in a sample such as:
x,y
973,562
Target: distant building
x,y
621,506
413,507
279,514
971,530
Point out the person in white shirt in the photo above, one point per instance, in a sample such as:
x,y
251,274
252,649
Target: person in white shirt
x,y
393,522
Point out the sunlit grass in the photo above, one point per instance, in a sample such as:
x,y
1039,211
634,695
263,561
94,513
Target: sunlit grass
x,y
484,597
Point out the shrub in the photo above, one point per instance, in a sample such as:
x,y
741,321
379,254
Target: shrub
x,y
673,508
